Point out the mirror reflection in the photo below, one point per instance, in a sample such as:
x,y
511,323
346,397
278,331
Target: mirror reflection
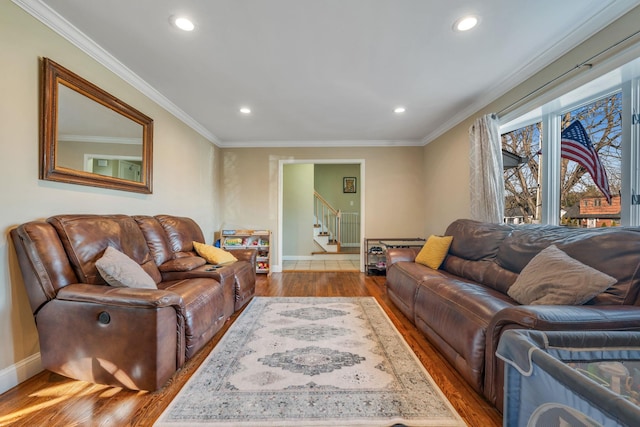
x,y
90,137
95,139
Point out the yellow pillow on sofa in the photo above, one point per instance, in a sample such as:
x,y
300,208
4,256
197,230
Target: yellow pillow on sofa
x,y
434,251
214,255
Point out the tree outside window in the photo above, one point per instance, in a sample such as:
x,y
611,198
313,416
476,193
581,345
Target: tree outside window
x,y
522,189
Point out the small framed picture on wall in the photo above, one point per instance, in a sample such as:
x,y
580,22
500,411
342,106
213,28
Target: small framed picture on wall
x,y
349,184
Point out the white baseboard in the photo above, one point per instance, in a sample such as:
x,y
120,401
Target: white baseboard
x,y
13,375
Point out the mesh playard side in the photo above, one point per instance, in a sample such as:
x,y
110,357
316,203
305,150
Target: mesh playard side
x,y
584,378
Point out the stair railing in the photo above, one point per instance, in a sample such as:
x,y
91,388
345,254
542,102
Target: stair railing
x,y
350,229
327,218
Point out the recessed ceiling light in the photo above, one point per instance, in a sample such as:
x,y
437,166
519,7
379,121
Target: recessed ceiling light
x,y
183,23
245,110
399,110
465,23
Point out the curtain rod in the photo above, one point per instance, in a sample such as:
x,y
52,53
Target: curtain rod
x,y
584,64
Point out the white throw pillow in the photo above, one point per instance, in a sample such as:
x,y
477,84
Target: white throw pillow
x,y
118,270
554,278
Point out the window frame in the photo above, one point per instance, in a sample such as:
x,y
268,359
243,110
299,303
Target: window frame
x,y
549,114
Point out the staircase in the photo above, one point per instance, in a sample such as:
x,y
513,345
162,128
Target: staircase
x,y
334,229
325,240
327,224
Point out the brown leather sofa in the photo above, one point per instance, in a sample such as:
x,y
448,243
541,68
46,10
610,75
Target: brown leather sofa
x,y
126,337
463,307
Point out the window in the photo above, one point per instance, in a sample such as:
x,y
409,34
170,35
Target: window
x,y
550,186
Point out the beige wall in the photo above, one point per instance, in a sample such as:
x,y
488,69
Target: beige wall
x,y
446,159
392,182
185,178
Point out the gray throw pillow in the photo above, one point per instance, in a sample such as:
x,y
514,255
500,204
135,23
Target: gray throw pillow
x,y
118,270
554,278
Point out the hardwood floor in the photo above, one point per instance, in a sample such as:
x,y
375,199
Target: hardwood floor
x,y
52,400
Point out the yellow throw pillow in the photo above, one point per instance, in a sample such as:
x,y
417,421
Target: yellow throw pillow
x,y
214,255
434,251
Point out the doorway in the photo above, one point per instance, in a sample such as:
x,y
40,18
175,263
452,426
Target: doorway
x,y
289,230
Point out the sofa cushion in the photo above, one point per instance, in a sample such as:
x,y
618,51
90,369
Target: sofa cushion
x,y
552,277
156,238
120,271
203,309
214,255
611,250
85,238
403,280
475,240
186,263
434,251
486,272
454,314
181,233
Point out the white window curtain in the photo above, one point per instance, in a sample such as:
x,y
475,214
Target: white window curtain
x,y
486,174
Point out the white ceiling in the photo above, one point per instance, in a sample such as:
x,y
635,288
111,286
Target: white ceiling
x,y
326,72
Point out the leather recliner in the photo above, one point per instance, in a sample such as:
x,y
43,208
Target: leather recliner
x,y
125,337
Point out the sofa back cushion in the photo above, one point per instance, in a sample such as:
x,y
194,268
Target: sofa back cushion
x,y
86,237
613,251
473,252
487,272
157,239
181,233
474,240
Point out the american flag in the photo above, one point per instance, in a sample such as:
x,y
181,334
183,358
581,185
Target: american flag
x,y
577,146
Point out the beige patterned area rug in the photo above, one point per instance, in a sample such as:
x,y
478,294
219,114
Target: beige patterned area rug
x,y
311,362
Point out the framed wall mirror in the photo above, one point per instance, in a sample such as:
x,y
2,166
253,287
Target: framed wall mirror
x,y
90,137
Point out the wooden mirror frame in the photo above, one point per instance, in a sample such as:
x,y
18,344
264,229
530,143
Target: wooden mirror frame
x,y
54,75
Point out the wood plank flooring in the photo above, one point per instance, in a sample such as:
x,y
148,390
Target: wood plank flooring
x,y
52,400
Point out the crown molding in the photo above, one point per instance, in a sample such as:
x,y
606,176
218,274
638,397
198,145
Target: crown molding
x,y
64,28
321,144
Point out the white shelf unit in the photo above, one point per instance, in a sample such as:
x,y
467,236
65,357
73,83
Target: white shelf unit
x,y
250,239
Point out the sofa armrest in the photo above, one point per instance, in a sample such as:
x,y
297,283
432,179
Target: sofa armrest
x,y
562,317
130,297
249,255
133,338
401,254
549,318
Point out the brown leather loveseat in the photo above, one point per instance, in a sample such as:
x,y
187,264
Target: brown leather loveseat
x,y
123,336
464,306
